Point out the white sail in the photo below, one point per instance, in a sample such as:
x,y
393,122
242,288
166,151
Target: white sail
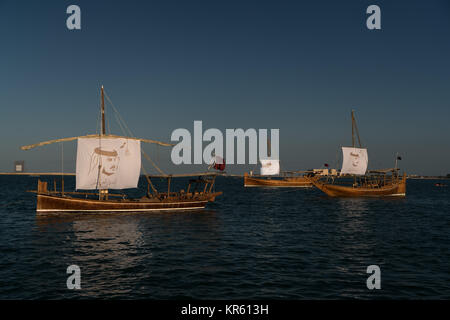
x,y
108,163
354,161
270,167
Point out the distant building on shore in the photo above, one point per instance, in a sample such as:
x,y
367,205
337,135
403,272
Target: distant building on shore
x,y
19,166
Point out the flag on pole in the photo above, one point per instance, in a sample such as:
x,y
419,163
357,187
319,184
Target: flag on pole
x,y
219,163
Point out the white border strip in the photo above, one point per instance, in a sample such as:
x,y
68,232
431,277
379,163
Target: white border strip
x,y
268,186
116,202
117,210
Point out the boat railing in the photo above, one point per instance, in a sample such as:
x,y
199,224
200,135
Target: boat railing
x,y
196,189
374,180
43,190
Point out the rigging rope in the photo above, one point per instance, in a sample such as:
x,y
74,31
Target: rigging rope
x,y
127,131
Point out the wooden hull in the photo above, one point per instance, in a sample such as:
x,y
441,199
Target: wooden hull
x,y
51,203
299,182
394,189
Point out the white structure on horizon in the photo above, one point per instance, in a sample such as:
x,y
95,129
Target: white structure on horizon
x,y
19,166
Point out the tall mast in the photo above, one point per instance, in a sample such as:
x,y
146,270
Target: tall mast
x,y
102,193
355,130
103,113
353,126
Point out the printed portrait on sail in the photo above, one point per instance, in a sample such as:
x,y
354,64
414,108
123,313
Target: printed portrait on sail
x,y
105,163
108,163
355,159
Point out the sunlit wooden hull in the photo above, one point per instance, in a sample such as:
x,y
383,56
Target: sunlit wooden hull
x,y
51,204
393,189
299,182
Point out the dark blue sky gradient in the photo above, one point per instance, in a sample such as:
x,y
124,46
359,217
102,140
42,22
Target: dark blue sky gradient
x,y
297,66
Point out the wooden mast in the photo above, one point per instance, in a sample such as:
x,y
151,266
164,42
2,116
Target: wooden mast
x,y
103,113
102,193
355,130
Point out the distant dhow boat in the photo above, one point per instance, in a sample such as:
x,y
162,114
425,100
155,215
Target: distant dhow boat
x,y
270,176
355,180
107,162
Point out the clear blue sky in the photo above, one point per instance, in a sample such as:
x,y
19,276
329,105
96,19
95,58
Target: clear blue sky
x,y
299,66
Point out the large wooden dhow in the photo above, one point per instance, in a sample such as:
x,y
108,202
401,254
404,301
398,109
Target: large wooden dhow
x,y
355,181
106,162
50,201
375,183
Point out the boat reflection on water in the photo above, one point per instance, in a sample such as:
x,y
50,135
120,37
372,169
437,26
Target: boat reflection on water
x,y
353,213
117,251
360,216
357,235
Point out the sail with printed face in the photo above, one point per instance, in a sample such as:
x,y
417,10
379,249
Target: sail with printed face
x,y
108,163
270,167
354,161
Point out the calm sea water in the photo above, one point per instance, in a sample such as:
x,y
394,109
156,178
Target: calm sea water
x,y
252,243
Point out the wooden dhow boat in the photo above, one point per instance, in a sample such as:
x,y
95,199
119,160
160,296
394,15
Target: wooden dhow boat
x,y
270,177
106,162
355,180
375,183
